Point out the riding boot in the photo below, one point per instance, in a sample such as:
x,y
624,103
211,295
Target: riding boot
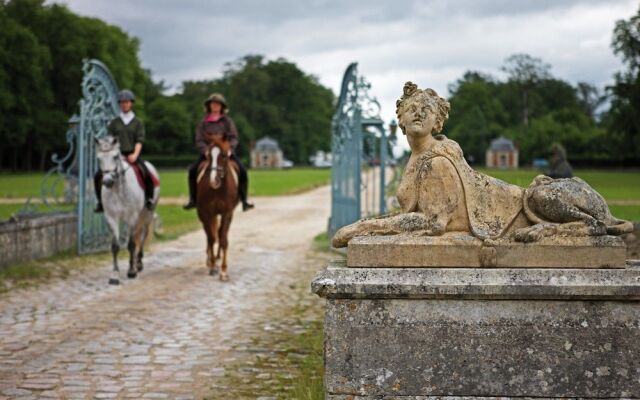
x,y
148,185
243,190
193,186
97,186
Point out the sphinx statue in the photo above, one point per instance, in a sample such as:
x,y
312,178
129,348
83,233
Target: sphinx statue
x,y
440,193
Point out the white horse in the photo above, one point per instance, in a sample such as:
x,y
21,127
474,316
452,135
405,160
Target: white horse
x,y
123,200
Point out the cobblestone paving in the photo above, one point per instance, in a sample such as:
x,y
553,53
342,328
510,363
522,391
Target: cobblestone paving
x,y
166,334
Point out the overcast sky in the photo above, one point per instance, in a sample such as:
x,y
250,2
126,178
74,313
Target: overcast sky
x,y
429,42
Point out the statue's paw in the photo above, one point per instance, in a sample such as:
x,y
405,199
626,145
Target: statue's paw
x,y
342,237
535,233
525,235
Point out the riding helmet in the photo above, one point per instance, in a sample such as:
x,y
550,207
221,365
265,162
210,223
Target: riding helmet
x,y
126,95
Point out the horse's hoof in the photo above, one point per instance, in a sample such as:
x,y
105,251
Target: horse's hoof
x,y
224,277
114,281
213,271
132,274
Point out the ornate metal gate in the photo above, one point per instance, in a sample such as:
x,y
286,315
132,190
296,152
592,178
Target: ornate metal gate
x,y
98,106
359,153
75,170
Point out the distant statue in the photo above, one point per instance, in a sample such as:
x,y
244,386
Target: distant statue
x,y
440,192
560,167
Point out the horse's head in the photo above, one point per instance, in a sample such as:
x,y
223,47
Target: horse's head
x,y
108,154
218,159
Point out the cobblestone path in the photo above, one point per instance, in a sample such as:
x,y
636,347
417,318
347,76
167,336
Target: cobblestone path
x,y
166,334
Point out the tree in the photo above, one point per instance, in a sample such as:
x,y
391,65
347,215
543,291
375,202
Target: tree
x,y
41,52
270,98
525,72
477,115
25,65
589,98
623,120
167,126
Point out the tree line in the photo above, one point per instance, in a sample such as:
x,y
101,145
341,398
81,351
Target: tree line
x,y
41,51
42,47
536,109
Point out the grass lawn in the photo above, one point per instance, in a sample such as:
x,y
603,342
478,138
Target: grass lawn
x,y
612,184
174,182
616,185
261,182
176,221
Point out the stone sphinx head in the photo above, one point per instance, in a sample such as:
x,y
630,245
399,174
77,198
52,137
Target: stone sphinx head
x,y
421,111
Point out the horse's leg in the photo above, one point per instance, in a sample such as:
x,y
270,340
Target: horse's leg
x,y
132,272
225,223
144,236
209,250
213,229
115,248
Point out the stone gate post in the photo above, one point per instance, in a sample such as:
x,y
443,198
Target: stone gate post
x,y
429,333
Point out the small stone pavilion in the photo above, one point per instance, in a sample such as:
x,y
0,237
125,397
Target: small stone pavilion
x,y
502,153
266,154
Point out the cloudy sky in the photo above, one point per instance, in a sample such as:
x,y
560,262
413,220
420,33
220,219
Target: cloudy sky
x,y
432,42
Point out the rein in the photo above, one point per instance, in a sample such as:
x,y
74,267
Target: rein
x,y
221,171
119,170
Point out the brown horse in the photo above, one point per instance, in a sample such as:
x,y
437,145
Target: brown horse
x,y
217,196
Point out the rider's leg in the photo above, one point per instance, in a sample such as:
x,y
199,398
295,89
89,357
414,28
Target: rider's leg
x,y
193,185
243,184
148,184
97,186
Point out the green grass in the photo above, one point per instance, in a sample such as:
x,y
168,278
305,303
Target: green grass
x,y
22,185
35,272
176,222
174,182
7,210
280,182
261,182
613,185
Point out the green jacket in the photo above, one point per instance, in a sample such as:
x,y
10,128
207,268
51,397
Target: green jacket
x,y
128,135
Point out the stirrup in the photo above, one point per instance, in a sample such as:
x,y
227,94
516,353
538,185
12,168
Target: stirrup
x,y
190,205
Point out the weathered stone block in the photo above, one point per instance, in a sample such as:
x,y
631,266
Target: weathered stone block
x,y
409,333
36,237
465,251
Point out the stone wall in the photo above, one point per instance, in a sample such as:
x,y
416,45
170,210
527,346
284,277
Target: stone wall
x,y
422,333
31,238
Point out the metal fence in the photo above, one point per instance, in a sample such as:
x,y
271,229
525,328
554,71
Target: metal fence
x,y
75,170
360,154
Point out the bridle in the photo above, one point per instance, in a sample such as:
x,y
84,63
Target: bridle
x,y
221,168
118,171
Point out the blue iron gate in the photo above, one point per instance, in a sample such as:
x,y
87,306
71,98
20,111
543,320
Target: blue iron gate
x,y
75,170
359,153
98,106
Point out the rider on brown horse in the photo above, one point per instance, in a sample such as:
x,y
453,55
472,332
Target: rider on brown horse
x,y
217,123
129,130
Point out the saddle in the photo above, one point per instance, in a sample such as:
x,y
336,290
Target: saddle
x,y
140,177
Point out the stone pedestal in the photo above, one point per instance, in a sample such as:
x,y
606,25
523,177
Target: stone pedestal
x,y
422,333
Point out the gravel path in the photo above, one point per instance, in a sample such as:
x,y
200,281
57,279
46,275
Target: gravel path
x,y
166,333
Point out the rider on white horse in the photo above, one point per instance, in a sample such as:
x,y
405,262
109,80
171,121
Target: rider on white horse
x,y
129,130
